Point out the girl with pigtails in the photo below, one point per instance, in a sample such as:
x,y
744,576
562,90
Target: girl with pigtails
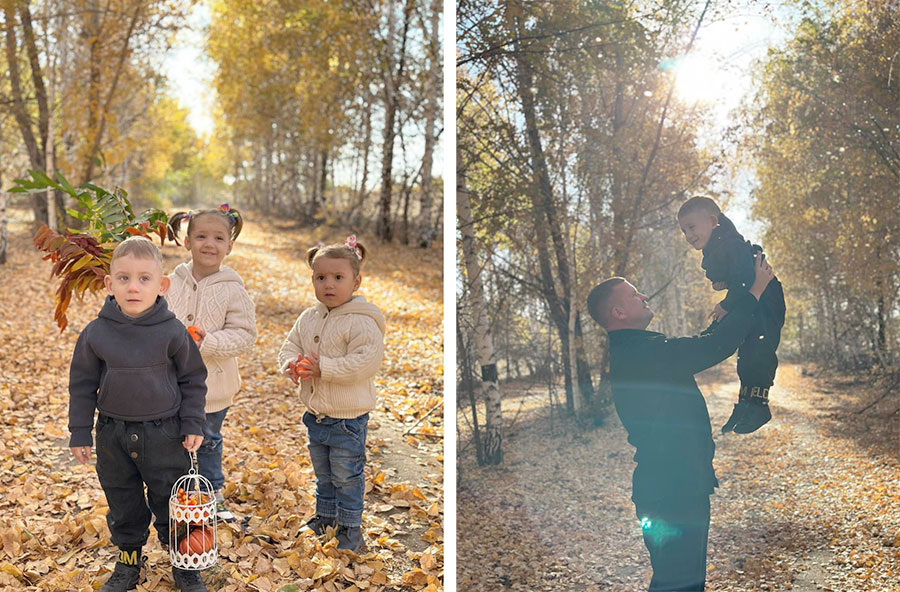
x,y
333,352
211,301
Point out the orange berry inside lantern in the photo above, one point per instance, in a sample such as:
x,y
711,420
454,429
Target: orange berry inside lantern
x,y
199,540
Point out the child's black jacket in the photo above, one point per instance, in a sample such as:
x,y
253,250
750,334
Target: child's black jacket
x,y
135,369
728,258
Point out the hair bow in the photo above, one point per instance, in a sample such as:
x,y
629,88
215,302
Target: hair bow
x,y
351,242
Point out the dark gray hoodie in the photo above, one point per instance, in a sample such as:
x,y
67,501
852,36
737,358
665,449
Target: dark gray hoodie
x,y
135,369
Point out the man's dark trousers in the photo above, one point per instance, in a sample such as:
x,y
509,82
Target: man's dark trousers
x,y
675,532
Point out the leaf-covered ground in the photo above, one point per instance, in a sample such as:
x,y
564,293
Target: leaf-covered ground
x,y
53,534
809,502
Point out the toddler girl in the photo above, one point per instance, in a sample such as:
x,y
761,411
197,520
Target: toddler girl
x,y
334,350
211,300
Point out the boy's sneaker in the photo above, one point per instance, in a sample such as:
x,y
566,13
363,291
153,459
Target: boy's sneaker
x,y
319,524
188,580
222,513
756,411
350,538
123,578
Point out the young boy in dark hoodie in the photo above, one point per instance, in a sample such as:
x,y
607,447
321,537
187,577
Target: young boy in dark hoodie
x,y
138,366
728,261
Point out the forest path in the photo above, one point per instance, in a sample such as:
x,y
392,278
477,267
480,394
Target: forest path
x,y
54,534
809,502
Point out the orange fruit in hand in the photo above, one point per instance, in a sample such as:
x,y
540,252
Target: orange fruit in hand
x,y
193,331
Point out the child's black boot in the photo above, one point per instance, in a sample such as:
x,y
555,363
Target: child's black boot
x,y
126,574
737,412
350,538
188,580
319,524
756,413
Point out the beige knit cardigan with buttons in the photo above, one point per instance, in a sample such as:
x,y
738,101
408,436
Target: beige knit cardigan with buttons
x,y
219,305
349,340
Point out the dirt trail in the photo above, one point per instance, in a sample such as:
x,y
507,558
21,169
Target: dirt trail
x,y
809,502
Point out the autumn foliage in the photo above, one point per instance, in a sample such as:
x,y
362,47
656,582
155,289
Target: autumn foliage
x,y
81,258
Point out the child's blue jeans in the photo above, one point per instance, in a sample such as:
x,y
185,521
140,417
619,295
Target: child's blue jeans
x,y
337,448
209,455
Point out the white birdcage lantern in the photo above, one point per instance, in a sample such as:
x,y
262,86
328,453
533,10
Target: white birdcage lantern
x,y
193,543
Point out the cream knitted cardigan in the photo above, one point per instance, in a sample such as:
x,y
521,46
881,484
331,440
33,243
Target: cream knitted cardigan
x,y
219,305
349,340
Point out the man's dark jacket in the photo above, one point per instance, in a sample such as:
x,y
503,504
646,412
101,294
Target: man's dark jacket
x,y
135,369
659,404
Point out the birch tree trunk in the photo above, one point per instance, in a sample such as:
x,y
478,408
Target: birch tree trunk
x,y
549,235
433,85
4,235
391,106
49,150
20,112
384,229
356,213
98,113
492,438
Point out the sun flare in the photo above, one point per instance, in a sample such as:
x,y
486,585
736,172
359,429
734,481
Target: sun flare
x,y
699,80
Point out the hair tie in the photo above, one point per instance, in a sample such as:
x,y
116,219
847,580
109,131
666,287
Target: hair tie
x,y
320,245
351,242
226,209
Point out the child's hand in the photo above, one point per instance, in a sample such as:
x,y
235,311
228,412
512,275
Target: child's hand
x,y
82,453
291,372
719,286
308,367
197,334
718,313
192,442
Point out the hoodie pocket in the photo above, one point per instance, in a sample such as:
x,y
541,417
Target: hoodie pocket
x,y
137,393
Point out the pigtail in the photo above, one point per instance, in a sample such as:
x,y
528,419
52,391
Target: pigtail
x,y
237,222
174,225
311,255
362,253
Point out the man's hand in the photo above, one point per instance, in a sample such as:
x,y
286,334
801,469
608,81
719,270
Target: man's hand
x,y
82,453
192,442
718,313
764,275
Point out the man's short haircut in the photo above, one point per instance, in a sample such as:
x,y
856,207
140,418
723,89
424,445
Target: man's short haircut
x,y
139,247
699,203
598,300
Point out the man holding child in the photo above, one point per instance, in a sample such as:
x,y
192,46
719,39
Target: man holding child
x,y
667,421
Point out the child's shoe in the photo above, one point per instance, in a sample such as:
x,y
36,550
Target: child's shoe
x,y
188,580
123,578
739,409
756,410
319,524
222,513
350,538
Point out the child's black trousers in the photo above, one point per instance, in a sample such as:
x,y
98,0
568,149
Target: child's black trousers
x,y
130,455
757,360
